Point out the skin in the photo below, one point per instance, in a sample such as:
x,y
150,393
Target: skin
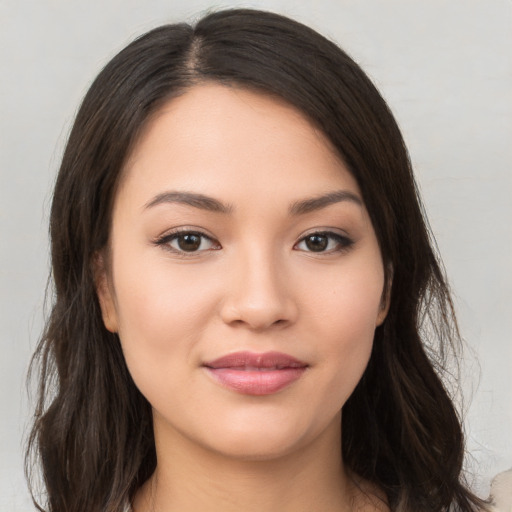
x,y
254,284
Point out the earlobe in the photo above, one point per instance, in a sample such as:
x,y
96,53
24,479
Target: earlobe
x,y
383,312
386,298
105,293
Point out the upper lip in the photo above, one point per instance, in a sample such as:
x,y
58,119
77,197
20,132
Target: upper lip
x,y
274,360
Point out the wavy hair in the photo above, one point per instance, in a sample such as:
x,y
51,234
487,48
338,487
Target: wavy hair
x,y
92,433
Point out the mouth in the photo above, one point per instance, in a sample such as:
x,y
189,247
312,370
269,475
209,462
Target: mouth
x,y
256,374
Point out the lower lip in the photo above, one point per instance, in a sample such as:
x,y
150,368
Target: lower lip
x,y
256,383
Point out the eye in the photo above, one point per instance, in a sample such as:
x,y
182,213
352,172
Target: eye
x,y
324,242
188,242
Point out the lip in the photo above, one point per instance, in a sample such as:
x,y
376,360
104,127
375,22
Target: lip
x,y
256,374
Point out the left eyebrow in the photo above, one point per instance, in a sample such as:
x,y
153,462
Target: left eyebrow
x,y
317,203
191,199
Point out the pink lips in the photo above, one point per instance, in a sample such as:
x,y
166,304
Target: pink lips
x,y
256,374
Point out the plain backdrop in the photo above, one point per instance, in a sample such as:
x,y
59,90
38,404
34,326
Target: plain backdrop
x,y
445,67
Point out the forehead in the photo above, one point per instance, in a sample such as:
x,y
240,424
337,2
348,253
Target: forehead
x,y
218,139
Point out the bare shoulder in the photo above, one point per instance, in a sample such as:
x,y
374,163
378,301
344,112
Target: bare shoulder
x,y
501,492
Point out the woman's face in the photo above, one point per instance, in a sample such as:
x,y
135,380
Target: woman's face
x,y
244,278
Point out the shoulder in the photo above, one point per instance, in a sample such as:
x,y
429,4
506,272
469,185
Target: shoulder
x,y
501,492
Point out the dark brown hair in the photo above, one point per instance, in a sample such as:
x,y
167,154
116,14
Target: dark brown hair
x,y
93,430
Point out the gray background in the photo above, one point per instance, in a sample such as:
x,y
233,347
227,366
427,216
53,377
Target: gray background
x,y
445,67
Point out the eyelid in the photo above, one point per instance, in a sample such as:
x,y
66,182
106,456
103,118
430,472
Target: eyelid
x,y
172,234
344,240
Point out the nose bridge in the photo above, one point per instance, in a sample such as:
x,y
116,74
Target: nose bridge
x,y
258,294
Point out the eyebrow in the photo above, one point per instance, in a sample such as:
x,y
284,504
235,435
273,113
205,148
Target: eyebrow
x,y
204,202
191,199
322,201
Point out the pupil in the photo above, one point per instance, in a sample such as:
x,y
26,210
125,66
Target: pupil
x,y
189,242
317,243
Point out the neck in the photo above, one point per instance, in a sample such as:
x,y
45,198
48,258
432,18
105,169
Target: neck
x,y
189,477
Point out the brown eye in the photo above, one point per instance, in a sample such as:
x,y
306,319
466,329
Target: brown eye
x,y
189,242
324,242
317,243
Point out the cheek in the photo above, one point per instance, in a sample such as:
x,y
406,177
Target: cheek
x,y
347,303
346,316
160,297
161,314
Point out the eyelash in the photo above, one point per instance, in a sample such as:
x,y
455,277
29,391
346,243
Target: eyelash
x,y
343,243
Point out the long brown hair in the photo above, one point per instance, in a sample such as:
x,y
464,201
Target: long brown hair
x,y
92,431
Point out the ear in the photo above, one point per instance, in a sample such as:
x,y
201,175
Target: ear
x,y
105,292
386,297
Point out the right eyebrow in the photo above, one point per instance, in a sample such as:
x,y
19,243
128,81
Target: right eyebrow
x,y
317,203
191,199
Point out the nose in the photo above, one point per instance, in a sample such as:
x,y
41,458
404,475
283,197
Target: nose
x,y
259,294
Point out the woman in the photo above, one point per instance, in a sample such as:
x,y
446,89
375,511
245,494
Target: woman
x,y
249,312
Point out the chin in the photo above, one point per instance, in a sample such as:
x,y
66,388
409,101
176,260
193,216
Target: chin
x,y
256,446
265,438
